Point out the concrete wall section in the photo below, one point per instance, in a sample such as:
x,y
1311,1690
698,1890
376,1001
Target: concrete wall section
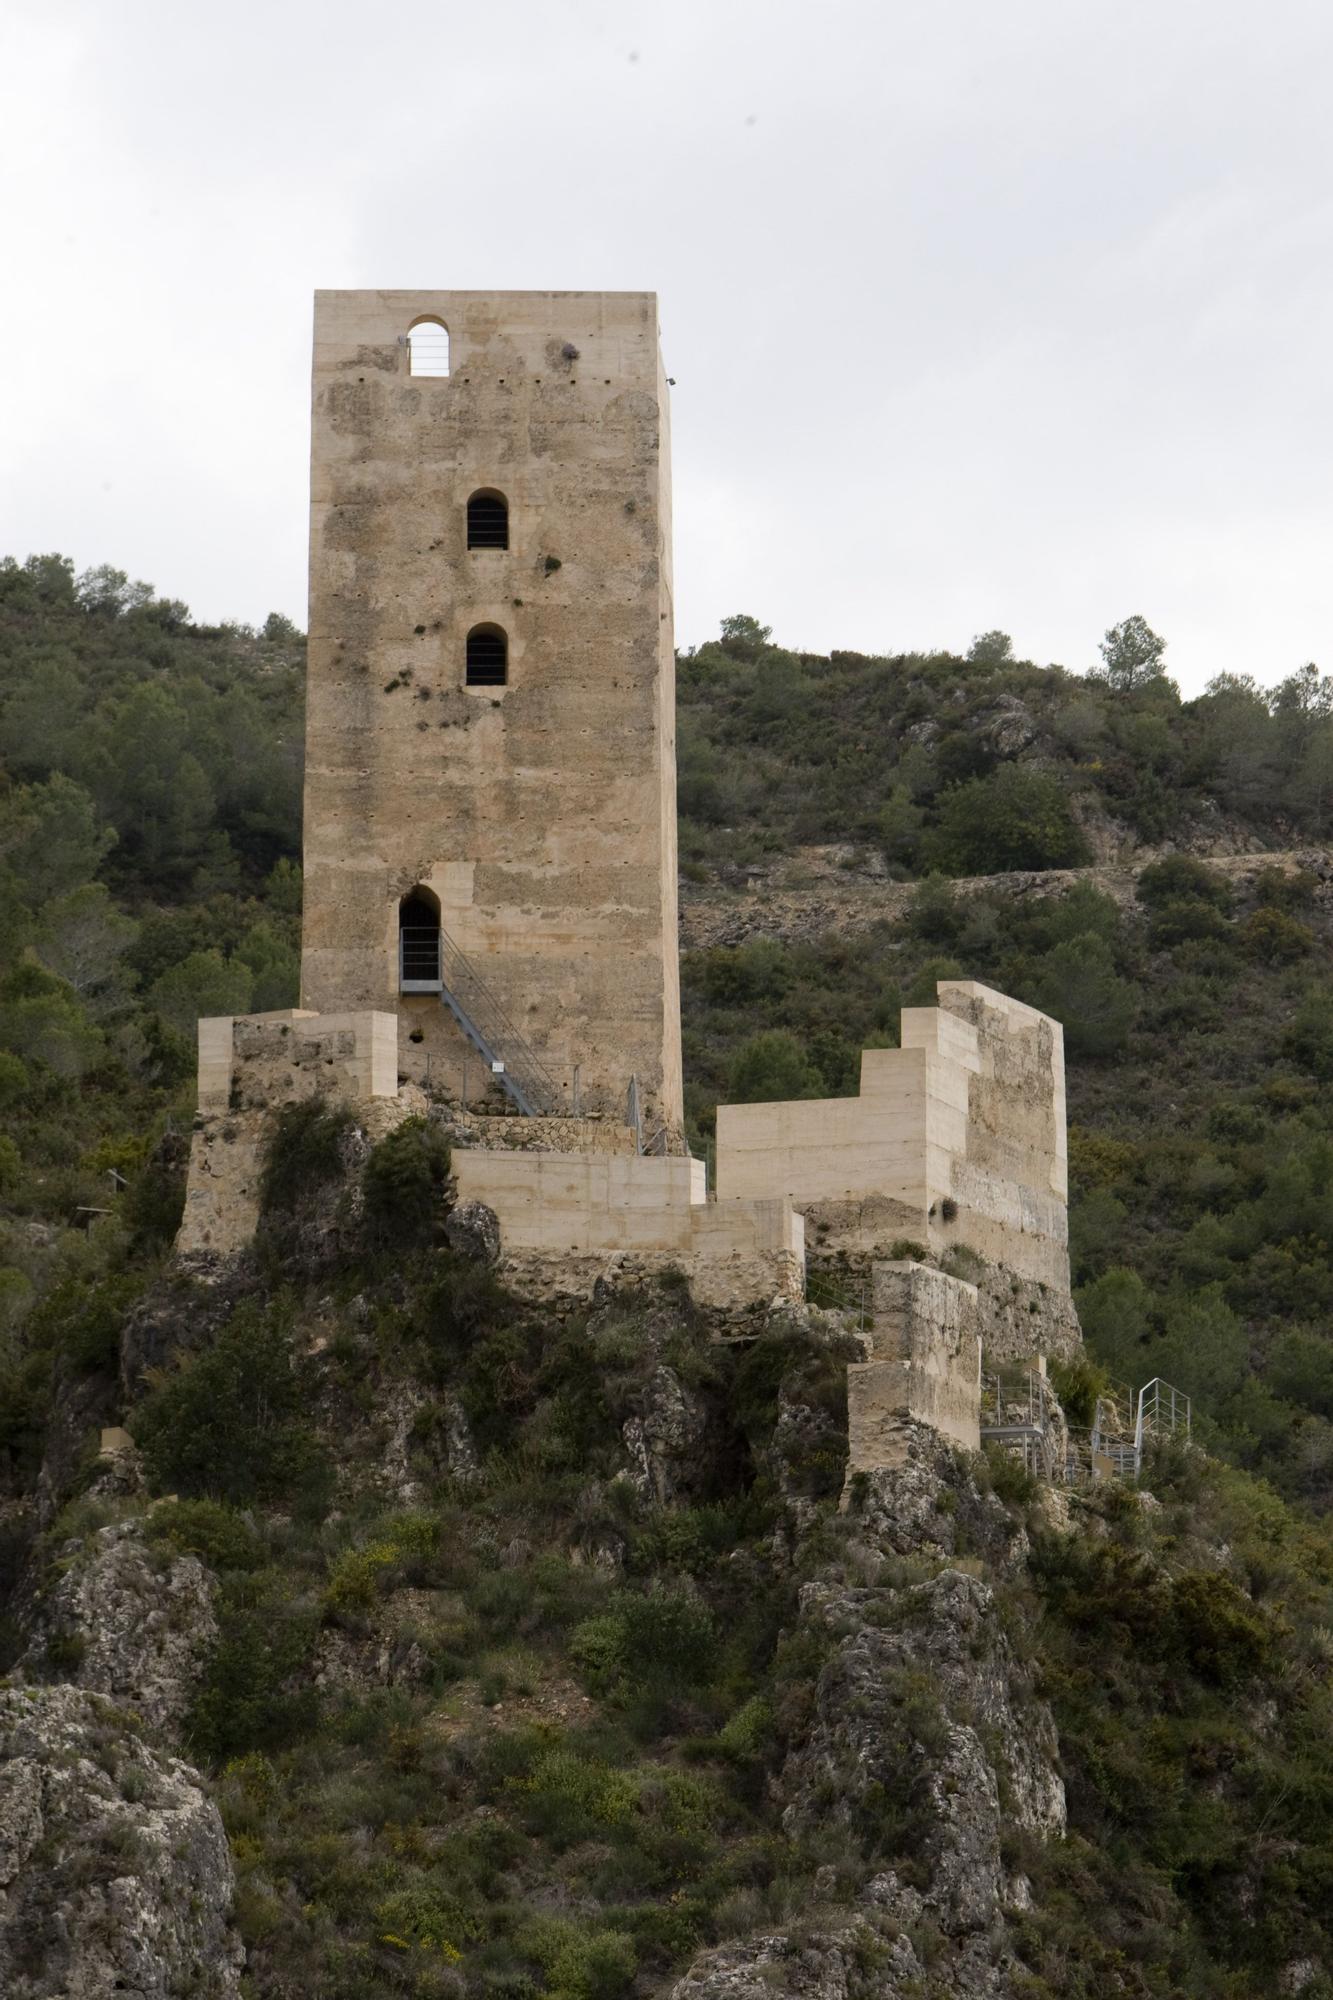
x,y
956,1140
563,1216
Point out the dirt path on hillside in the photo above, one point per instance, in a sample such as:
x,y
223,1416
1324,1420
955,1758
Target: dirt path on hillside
x,y
804,897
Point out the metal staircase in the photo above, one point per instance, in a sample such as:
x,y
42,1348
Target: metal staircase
x,y
1024,1417
430,962
1124,1422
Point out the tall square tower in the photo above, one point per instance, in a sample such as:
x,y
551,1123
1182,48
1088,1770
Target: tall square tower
x,y
490,792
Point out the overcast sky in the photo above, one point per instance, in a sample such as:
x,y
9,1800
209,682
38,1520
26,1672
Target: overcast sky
x,y
980,315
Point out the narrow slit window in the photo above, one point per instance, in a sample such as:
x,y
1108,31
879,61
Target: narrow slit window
x,y
428,348
487,657
488,521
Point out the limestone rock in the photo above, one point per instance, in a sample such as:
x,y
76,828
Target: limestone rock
x,y
473,1230
923,1703
115,1877
125,1624
665,1437
843,1964
931,1504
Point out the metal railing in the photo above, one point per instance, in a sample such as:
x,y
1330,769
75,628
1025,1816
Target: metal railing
x,y
1024,1417
1125,1419
430,962
1163,1412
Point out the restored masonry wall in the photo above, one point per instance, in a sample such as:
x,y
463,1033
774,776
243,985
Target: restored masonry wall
x,y
956,1142
563,1216
925,1366
540,813
249,1066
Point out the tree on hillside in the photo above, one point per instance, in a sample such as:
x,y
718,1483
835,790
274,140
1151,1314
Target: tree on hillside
x,y
990,649
1132,653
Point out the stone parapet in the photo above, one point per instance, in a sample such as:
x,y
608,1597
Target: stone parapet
x,y
564,1217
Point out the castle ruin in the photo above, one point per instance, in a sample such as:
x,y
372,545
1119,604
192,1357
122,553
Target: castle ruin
x,y
490,885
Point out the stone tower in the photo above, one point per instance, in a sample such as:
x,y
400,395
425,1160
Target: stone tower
x,y
491,735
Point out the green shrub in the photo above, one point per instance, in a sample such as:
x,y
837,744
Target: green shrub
x,y
249,1698
663,1638
217,1534
404,1182
580,1963
1309,1039
304,1152
1077,983
1185,920
1222,1635
1180,878
1015,817
229,1422
1273,938
772,1067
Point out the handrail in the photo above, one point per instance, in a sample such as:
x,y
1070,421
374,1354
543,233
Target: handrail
x,y
514,1064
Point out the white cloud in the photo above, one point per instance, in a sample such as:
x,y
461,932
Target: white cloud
x,y
979,316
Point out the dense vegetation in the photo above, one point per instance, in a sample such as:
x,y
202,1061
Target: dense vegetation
x,y
508,1725
988,763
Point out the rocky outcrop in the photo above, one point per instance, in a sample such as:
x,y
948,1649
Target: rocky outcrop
x,y
926,1741
802,897
473,1230
665,1437
115,1876
126,1622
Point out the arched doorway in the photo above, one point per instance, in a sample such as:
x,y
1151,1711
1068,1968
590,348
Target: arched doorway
x,y
419,942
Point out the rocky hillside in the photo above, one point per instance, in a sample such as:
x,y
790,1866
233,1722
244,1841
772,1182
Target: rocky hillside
x,y
424,1641
517,1655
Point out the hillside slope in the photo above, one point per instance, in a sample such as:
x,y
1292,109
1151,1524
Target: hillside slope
x,y
430,1642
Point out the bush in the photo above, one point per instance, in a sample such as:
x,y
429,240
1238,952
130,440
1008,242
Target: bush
x,y
1271,937
1185,920
664,1638
215,1533
246,1699
772,1067
228,1423
1222,1635
304,1152
1180,878
404,1183
1309,1039
1015,817
1077,983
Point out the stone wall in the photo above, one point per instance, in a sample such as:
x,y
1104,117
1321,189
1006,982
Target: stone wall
x,y
250,1065
566,1219
925,1366
956,1143
540,814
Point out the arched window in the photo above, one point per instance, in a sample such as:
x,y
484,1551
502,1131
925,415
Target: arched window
x,y
428,348
488,521
419,942
487,657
